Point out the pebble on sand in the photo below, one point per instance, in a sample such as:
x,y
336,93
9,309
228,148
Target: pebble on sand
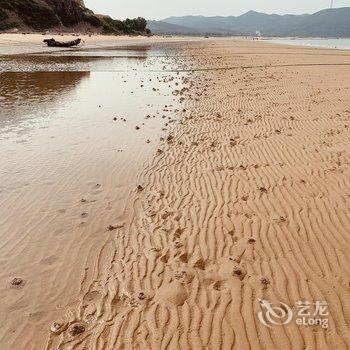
x,y
77,329
263,190
265,282
112,227
17,282
58,328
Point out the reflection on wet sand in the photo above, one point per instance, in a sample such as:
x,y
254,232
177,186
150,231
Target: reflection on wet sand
x,y
75,60
27,93
32,86
72,145
114,51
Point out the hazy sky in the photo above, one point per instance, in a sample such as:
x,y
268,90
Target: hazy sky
x,y
159,9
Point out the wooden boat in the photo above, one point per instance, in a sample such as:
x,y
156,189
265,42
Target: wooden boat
x,y
53,43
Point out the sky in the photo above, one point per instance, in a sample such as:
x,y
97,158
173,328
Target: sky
x,y
160,9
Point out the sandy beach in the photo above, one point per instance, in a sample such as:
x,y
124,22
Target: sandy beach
x,y
153,201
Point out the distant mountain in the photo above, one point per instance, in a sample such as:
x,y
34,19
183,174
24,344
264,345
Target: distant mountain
x,y
35,15
325,23
160,27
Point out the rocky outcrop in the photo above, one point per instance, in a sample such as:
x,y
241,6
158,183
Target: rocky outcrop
x,y
61,14
44,14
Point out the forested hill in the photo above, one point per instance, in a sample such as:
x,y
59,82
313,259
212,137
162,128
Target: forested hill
x,y
38,15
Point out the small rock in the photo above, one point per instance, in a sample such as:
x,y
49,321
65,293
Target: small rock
x,y
77,329
263,190
17,281
142,296
264,281
170,139
58,328
240,273
178,244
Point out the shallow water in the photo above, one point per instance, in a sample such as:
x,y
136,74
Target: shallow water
x,y
120,59
341,44
42,87
68,132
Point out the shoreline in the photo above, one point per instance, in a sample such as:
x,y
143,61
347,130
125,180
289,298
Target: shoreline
x,y
297,42
32,43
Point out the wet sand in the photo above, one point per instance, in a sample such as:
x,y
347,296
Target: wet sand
x,y
242,195
75,132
